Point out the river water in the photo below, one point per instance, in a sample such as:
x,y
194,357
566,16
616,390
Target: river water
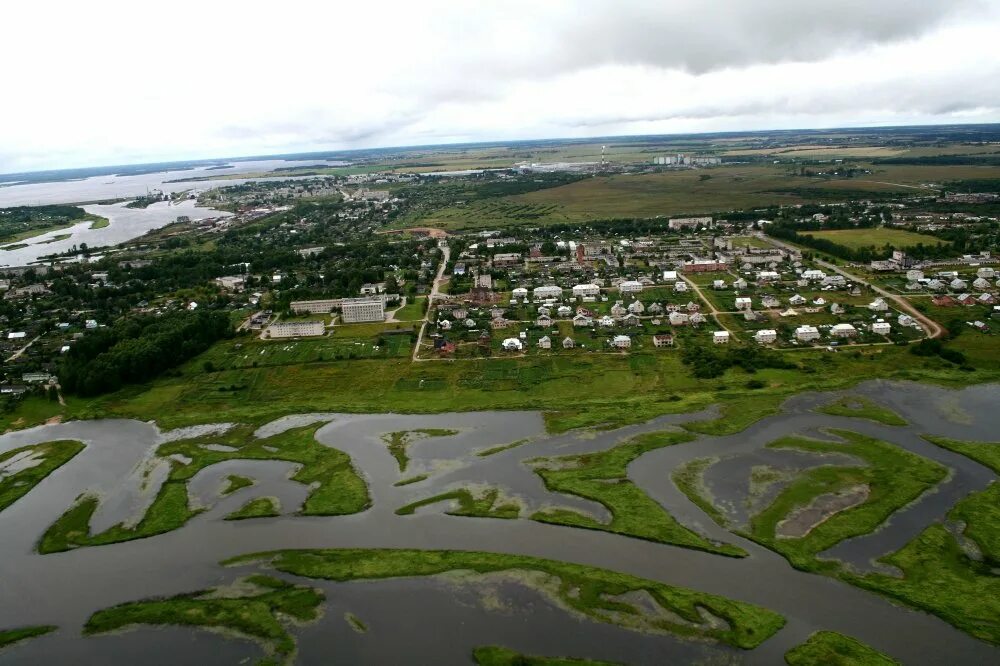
x,y
441,619
126,223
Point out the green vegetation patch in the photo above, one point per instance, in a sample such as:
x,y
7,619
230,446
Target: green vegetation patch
x,y
893,477
690,480
24,468
602,477
494,655
336,487
859,406
236,482
503,447
11,636
258,607
355,623
828,648
986,453
941,576
478,503
412,479
399,441
260,507
600,594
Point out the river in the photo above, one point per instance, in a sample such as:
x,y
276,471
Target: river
x,y
126,223
440,620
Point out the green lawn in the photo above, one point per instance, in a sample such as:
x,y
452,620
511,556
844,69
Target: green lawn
x,y
596,593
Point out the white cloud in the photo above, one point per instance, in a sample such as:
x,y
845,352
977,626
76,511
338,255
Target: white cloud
x,y
116,82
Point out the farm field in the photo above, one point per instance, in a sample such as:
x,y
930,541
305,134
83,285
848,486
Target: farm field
x,y
858,238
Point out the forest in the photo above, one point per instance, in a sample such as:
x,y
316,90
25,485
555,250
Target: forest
x,y
138,349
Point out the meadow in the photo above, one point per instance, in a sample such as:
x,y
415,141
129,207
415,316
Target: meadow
x,y
858,238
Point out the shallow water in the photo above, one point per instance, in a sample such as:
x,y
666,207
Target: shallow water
x,y
430,620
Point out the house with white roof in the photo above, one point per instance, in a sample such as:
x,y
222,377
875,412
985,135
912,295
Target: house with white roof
x,y
545,342
568,343
669,276
766,336
581,290
548,291
678,319
881,328
878,305
512,344
622,341
630,287
744,303
720,337
843,331
680,286
805,333
797,300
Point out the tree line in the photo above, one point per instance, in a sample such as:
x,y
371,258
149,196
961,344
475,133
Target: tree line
x,y
138,349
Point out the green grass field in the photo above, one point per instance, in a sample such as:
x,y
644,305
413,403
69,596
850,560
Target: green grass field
x,y
858,238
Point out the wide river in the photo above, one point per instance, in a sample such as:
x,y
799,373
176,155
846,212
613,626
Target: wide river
x,y
440,620
126,223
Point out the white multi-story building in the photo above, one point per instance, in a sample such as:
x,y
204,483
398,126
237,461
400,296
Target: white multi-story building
x,y
630,287
843,331
581,290
805,333
766,336
548,291
294,329
354,310
881,328
720,337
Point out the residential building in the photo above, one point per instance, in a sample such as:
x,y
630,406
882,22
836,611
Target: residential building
x,y
843,331
545,342
663,340
581,290
878,305
548,291
568,343
720,337
881,328
766,336
622,341
744,303
630,287
805,333
512,344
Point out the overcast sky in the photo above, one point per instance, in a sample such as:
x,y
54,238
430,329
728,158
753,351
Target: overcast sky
x,y
91,83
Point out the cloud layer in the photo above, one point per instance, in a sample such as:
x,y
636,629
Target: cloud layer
x,y
117,82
